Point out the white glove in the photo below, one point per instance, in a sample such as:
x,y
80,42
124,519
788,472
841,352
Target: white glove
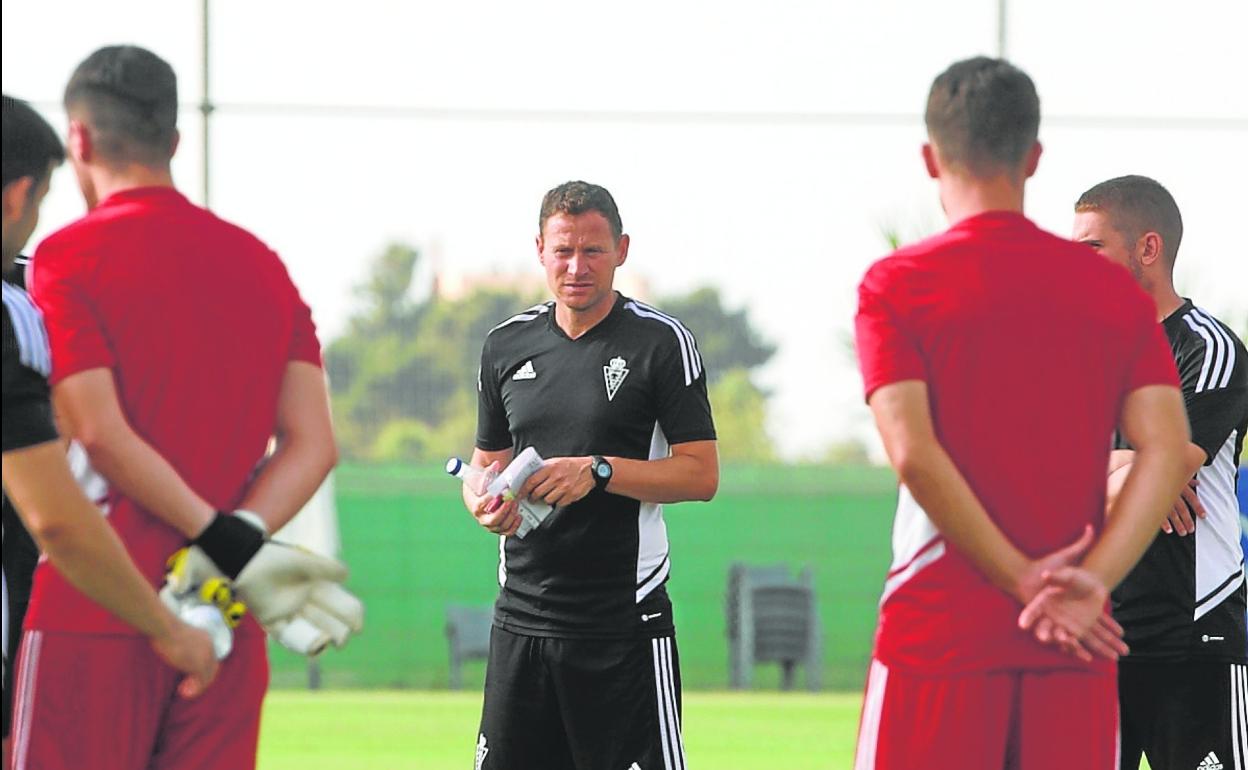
x,y
294,593
208,605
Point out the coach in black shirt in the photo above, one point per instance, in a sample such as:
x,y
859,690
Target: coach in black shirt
x,y
583,669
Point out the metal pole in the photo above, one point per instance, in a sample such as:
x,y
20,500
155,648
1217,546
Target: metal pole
x,y
1001,28
205,110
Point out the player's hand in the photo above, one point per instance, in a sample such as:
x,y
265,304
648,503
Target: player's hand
x,y
1069,611
492,512
190,651
1180,520
560,481
1032,581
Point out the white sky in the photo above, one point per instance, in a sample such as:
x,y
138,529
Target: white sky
x,y
795,137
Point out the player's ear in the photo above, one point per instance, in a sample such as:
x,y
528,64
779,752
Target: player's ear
x,y
1151,248
80,146
1033,160
538,241
622,247
177,139
929,160
16,198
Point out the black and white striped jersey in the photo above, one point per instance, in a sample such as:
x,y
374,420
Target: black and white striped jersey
x,y
630,387
27,363
1186,597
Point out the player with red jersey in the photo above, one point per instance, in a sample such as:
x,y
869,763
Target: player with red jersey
x,y
991,335
179,347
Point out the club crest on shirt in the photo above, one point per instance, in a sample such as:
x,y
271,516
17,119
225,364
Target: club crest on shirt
x,y
614,373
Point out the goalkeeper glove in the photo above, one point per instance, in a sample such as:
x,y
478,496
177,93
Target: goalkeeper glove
x,y
294,593
210,605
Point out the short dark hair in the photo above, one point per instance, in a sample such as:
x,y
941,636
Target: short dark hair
x,y
130,98
983,114
31,146
574,198
1136,205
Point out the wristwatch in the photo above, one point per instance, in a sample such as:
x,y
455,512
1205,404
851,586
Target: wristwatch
x,y
601,470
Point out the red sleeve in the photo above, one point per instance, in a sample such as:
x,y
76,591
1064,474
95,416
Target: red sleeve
x,y
887,353
1153,363
76,335
304,345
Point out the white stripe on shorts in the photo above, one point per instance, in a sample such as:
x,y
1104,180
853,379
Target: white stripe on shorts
x,y
27,668
665,692
872,709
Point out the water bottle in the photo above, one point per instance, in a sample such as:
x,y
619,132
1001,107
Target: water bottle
x,y
477,479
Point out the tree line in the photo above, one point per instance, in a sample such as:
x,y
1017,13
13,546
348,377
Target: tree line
x,y
403,373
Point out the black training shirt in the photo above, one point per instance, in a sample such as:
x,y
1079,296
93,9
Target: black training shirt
x,y
630,387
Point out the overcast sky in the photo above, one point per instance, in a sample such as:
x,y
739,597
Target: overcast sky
x,y
757,147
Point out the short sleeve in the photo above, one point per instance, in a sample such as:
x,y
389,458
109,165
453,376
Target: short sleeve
x,y
304,344
684,409
493,429
886,352
27,410
1153,362
78,340
1214,379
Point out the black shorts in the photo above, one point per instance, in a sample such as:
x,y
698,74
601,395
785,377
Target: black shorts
x,y
20,555
1183,714
580,704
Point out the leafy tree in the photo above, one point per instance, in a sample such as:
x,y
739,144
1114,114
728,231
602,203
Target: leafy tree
x,y
740,409
725,338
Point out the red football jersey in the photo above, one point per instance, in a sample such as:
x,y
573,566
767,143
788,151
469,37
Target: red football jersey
x,y
197,319
1028,344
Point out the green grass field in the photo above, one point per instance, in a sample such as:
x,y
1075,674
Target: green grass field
x,y
412,550
388,730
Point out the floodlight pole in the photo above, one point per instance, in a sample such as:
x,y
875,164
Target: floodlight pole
x,y
205,109
1001,27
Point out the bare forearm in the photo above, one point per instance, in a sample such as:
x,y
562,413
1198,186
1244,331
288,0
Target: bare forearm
x,y
78,540
1149,486
1154,422
288,480
306,451
137,470
673,479
944,494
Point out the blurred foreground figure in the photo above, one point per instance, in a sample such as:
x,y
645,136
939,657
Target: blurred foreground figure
x,y
997,360
179,347
68,527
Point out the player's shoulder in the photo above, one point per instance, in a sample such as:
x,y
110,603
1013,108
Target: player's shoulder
x,y
1196,333
25,340
643,318
887,274
518,324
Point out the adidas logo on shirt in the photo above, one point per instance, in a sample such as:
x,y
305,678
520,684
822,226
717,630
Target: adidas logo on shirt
x,y
525,372
1210,762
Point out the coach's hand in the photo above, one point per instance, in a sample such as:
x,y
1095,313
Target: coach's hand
x,y
560,481
190,651
492,512
1180,520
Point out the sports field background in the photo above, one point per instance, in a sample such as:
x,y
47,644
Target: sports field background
x,y
412,549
